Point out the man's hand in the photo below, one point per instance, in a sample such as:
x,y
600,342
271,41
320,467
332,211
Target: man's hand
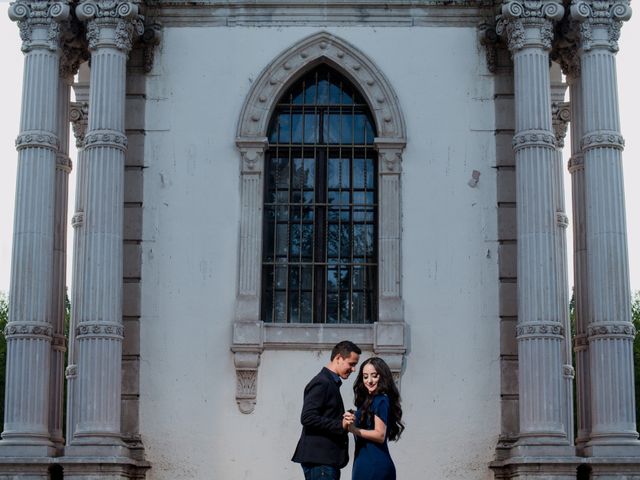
x,y
347,420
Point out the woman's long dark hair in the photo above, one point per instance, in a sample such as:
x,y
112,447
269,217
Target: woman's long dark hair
x,y
387,386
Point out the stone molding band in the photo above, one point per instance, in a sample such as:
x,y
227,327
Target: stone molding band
x,y
106,138
92,330
534,138
77,220
28,329
622,329
37,139
576,163
602,140
536,330
562,220
64,164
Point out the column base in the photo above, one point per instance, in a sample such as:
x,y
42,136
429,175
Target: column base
x,y
24,469
10,448
542,446
612,448
536,468
103,468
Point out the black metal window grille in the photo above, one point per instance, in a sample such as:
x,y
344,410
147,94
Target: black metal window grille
x,y
319,262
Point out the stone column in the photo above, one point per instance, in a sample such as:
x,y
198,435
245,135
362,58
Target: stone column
x,y
79,115
389,329
110,26
580,285
540,332
57,313
561,113
30,331
610,331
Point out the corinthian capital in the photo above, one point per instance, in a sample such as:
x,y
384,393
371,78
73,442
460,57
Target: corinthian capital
x,y
519,16
600,22
110,23
39,22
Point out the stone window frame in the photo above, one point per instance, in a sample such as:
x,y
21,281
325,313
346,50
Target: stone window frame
x,y
387,337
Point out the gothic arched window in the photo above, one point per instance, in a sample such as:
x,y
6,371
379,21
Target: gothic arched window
x,y
319,260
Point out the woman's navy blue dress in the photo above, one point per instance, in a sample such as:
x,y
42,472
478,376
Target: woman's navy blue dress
x,y
372,460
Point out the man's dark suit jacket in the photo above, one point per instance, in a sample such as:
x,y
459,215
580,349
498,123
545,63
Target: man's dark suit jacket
x,y
323,440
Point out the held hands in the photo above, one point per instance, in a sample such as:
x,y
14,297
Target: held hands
x,y
348,419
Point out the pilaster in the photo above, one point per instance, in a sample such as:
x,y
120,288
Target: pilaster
x,y
609,332
110,27
528,27
247,340
389,334
30,332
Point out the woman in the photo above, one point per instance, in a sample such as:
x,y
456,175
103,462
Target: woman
x,y
378,419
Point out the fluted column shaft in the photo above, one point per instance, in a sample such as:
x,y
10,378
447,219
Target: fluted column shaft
x,y
79,117
610,331
30,329
99,331
540,332
57,313
580,289
561,114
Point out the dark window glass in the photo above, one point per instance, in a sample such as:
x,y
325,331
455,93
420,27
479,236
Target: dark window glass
x,y
319,262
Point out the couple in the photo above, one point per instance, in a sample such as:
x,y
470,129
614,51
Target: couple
x,y
323,446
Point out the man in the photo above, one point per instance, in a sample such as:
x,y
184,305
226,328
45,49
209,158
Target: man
x,y
324,443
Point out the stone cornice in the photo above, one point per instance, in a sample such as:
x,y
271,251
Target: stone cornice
x,y
39,15
300,12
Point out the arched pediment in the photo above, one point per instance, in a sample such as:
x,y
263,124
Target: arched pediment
x,y
322,47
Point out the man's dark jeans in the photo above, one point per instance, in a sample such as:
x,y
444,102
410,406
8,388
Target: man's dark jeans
x,y
320,472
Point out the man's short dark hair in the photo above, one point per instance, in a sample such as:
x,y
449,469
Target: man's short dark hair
x,y
344,349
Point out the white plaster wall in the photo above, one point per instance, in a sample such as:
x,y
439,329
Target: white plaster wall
x,y
190,425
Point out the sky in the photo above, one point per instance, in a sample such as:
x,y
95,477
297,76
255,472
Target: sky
x,y
11,60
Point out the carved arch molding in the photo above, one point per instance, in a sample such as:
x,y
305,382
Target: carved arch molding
x,y
387,336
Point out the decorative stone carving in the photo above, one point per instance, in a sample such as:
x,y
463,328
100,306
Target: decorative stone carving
x,y
532,138
562,220
321,47
120,17
489,40
602,140
28,329
37,139
516,16
103,138
540,329
150,40
87,329
246,364
32,14
561,115
612,330
79,116
600,14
